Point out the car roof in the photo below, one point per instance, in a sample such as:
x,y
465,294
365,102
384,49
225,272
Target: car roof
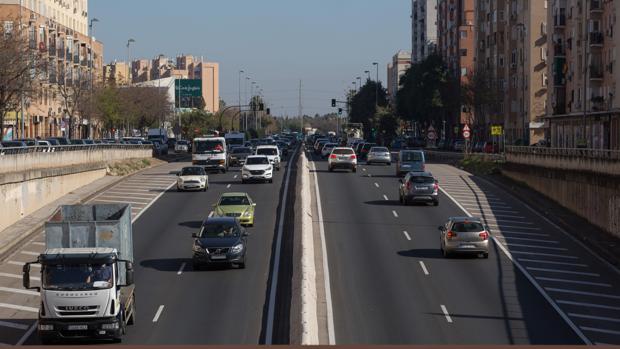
x,y
411,151
267,146
423,174
466,219
234,194
220,220
257,156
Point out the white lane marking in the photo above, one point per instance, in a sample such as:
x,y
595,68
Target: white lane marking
x,y
509,244
21,264
539,261
566,281
588,305
489,211
181,269
423,266
599,330
563,271
364,169
522,233
582,293
542,254
503,221
591,317
15,276
407,235
395,214
211,214
28,333
30,253
236,176
502,226
445,312
158,313
13,325
38,243
275,271
132,194
482,201
19,291
528,239
533,281
377,185
228,186
466,192
122,202
488,206
19,307
385,198
123,197
500,216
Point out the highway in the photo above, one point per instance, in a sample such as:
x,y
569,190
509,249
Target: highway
x,y
390,284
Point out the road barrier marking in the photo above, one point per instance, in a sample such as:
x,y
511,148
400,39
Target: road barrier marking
x,y
21,264
535,246
15,276
19,307
510,226
521,233
528,239
563,271
599,330
502,221
582,293
158,313
592,317
445,312
19,291
30,253
484,210
377,185
407,235
13,325
599,284
181,268
385,198
122,202
423,266
588,305
395,214
38,243
122,197
544,254
553,262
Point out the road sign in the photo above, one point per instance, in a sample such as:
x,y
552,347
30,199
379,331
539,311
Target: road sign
x,y
188,87
496,131
431,134
466,132
466,128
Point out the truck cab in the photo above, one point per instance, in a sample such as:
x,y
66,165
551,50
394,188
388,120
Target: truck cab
x,y
210,153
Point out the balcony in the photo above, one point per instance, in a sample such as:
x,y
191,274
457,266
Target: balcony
x,y
597,38
559,50
596,72
51,51
76,59
596,6
559,20
559,76
598,103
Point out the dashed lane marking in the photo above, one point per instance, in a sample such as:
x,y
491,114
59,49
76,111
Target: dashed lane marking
x,y
582,293
385,198
377,185
395,214
407,235
158,313
228,186
588,305
576,282
181,269
424,269
446,314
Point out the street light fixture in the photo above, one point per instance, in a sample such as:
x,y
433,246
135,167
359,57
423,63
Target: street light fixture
x,y
240,72
367,72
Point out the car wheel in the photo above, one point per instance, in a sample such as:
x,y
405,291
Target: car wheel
x,y
446,254
485,255
389,164
195,265
436,203
330,169
354,169
271,180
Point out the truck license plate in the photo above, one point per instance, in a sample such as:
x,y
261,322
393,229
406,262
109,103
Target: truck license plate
x,y
77,327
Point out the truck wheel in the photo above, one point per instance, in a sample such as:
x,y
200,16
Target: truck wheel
x,y
47,341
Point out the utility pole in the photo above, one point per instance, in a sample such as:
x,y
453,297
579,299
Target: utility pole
x,y
376,87
301,116
21,93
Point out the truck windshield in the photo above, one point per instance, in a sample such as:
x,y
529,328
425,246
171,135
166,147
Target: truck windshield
x,y
267,151
77,276
235,141
202,147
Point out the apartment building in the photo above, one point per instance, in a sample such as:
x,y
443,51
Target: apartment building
x,y
583,104
456,43
395,70
57,29
423,29
511,55
116,73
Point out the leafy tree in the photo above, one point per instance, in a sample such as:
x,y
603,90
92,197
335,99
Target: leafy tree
x,y
388,125
363,104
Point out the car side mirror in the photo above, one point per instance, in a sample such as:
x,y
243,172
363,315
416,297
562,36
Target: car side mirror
x,y
26,278
254,204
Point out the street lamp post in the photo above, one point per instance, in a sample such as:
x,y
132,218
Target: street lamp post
x,y
367,72
376,87
240,72
359,79
245,114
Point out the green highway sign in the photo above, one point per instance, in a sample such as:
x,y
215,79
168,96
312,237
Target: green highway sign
x,y
188,88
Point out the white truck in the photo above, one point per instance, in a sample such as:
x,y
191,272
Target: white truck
x,y
87,287
235,139
210,153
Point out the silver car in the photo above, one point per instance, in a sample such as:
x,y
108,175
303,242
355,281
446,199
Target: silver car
x,y
419,187
342,158
464,235
379,155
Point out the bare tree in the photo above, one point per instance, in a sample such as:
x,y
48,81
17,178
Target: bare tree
x,y
20,63
74,90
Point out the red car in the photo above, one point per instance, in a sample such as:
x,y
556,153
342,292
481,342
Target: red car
x,y
490,148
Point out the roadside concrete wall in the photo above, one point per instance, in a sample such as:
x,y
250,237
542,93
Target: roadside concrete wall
x,y
595,197
590,160
26,192
90,154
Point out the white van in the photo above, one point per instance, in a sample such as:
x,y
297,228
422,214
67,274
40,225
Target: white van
x,y
272,152
211,153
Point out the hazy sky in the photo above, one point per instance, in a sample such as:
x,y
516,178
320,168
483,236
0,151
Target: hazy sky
x,y
325,43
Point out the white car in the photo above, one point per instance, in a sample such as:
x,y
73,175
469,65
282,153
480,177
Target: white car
x,y
193,178
342,158
327,149
181,147
272,152
257,168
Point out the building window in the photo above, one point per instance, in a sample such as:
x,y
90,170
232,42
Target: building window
x,y
463,34
463,52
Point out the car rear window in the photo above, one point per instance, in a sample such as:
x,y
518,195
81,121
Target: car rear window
x,y
379,150
422,180
411,156
343,152
467,227
267,151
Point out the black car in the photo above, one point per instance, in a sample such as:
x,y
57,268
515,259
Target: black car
x,y
222,241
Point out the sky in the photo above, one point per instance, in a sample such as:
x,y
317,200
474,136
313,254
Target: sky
x,y
324,43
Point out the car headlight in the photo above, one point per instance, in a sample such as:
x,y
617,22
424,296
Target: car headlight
x,y
202,180
247,214
237,248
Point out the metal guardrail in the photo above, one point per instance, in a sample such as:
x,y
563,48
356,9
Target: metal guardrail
x,y
74,147
601,154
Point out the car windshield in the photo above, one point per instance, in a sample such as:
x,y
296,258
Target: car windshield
x,y
242,151
467,227
208,146
411,156
182,143
422,180
379,150
77,276
219,230
193,171
257,161
234,201
267,151
343,151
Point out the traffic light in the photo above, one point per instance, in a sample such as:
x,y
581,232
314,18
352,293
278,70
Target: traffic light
x,y
333,103
339,111
268,111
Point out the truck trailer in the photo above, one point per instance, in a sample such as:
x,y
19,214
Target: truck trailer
x,y
87,289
